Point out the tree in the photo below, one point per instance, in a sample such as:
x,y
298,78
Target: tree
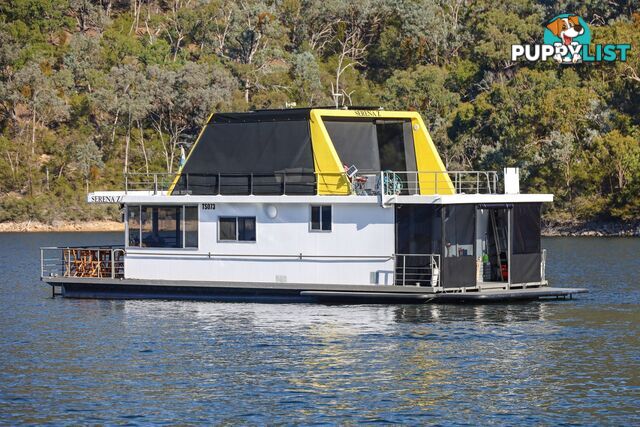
x,y
353,36
307,86
81,59
182,101
424,89
254,47
125,97
88,156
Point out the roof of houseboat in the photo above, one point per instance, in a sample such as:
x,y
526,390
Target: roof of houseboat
x,y
325,151
270,115
313,147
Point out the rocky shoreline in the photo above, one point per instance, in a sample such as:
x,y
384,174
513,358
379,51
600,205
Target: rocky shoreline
x,y
60,226
591,229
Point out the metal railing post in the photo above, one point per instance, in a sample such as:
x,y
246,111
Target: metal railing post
x,y
68,262
404,268
435,183
155,184
113,264
284,183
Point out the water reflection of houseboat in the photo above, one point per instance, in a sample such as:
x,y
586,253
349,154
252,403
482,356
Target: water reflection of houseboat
x,y
336,205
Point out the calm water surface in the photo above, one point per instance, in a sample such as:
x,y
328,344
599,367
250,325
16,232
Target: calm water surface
x,y
143,362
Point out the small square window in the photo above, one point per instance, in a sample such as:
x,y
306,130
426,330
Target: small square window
x,y
326,218
237,229
321,218
228,229
247,229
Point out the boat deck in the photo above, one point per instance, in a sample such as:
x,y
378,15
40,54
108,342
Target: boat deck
x,y
83,287
504,295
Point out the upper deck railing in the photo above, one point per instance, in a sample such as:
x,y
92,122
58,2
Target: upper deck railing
x,y
388,183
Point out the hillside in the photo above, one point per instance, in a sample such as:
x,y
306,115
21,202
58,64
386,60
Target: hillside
x,y
92,89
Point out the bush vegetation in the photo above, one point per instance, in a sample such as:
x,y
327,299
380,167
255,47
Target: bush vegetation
x,y
90,89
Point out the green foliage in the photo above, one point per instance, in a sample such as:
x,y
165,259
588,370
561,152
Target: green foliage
x,y
89,88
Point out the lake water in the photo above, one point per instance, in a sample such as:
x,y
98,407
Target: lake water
x,y
68,361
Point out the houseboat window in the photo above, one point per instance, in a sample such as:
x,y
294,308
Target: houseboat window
x,y
162,226
190,226
459,230
321,218
133,220
237,229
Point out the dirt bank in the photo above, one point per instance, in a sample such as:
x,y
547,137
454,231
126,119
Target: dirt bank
x,y
60,226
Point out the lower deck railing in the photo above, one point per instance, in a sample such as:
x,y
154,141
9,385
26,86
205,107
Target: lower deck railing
x,y
417,270
108,262
97,262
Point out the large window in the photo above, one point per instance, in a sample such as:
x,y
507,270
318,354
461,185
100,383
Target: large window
x,y
163,226
459,230
237,229
321,218
190,226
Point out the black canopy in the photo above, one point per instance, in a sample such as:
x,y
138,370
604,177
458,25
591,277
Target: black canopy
x,y
270,151
252,153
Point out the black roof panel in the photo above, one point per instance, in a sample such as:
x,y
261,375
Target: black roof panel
x,y
276,115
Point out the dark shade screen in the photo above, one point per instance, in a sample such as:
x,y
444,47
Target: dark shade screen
x,y
356,143
526,256
526,228
251,158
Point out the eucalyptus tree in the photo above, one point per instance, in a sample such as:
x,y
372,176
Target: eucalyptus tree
x,y
82,59
424,89
124,96
432,30
358,23
35,89
87,156
307,84
88,15
183,99
256,45
217,23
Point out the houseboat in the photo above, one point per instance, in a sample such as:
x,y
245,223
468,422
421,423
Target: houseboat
x,y
315,205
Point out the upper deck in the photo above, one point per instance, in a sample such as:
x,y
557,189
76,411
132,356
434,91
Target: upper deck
x,y
359,155
386,188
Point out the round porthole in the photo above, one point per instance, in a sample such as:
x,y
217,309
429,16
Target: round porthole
x,y
272,211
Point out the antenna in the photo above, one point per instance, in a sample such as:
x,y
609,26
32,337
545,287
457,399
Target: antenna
x,y
336,96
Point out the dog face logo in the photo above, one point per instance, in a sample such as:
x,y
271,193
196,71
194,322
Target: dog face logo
x,y
567,30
